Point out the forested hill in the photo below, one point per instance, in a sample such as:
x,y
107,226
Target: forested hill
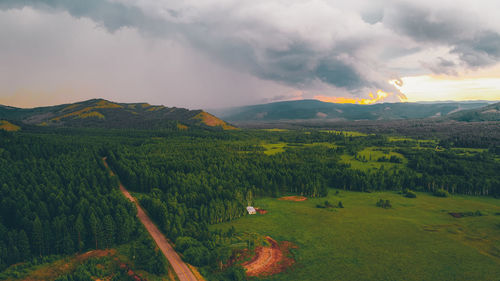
x,y
105,114
318,110
487,113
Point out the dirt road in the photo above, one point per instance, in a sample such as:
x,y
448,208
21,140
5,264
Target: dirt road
x,y
180,268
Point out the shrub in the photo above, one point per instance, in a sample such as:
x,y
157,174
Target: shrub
x,y
84,272
147,256
182,243
340,205
386,204
395,159
198,256
410,194
441,193
233,273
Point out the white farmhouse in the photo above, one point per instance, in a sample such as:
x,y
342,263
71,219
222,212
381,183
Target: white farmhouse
x,y
251,210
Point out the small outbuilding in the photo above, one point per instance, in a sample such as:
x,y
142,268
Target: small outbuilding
x,y
251,210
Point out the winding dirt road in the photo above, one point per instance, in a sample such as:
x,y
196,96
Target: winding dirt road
x,y
180,268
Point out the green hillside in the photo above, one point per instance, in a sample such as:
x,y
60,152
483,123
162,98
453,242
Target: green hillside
x,y
487,113
318,110
100,113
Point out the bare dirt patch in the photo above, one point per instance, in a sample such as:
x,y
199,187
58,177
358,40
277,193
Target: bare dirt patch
x,y
261,211
293,198
131,274
61,267
96,254
270,260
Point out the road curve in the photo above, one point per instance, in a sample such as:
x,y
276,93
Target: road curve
x,y
181,269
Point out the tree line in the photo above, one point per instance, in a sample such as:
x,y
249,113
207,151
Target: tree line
x,y
57,198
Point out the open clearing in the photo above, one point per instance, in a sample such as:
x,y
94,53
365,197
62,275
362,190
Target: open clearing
x,y
7,126
110,262
64,266
415,240
346,133
293,198
274,148
367,159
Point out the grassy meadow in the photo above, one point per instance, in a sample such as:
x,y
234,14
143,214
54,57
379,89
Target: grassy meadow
x,y
274,148
346,133
416,239
367,158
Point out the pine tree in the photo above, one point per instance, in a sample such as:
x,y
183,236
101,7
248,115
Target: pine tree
x,y
109,231
249,197
94,226
37,236
68,245
79,228
23,245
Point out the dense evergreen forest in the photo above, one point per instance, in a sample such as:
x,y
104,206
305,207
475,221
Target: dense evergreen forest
x,y
56,196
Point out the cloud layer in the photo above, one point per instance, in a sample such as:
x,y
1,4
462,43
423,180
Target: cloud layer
x,y
227,52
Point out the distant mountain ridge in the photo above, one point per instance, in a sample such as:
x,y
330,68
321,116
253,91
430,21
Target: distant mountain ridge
x,y
102,113
315,109
487,113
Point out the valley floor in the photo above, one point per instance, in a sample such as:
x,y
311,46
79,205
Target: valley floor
x,y
416,239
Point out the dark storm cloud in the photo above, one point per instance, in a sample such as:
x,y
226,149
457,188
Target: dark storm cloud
x,y
481,50
337,73
392,52
297,64
112,15
475,45
422,23
441,65
341,45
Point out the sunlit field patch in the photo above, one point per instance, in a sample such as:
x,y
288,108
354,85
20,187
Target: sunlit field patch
x,y
414,240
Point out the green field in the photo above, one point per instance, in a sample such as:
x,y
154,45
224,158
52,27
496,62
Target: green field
x,y
367,159
275,130
274,148
345,133
468,151
403,139
415,240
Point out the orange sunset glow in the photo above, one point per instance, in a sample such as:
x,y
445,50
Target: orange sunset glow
x,y
381,95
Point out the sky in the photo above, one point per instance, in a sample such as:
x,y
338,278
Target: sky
x,y
220,53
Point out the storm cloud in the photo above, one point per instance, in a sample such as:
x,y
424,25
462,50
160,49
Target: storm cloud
x,y
454,26
277,48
